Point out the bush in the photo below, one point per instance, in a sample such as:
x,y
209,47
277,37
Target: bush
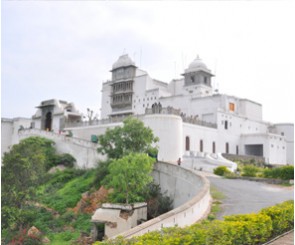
x,y
235,229
284,173
65,159
250,171
282,217
221,170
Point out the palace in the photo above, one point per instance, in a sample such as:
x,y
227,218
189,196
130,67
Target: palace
x,y
210,122
190,118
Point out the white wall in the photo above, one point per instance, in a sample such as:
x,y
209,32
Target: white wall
x,y
192,189
6,134
250,109
85,152
169,130
287,131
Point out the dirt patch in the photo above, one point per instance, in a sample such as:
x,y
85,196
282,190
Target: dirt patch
x,y
91,201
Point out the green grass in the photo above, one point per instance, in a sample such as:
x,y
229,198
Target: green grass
x,y
63,238
217,197
65,190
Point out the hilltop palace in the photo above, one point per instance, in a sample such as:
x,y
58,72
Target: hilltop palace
x,y
191,120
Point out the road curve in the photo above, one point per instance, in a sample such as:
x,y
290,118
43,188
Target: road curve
x,y
243,196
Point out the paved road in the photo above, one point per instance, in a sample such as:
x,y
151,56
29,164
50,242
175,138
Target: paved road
x,y
242,196
285,240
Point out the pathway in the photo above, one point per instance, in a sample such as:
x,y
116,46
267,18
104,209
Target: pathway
x,y
243,196
287,239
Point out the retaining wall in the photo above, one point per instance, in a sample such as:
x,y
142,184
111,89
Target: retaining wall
x,y
82,150
191,195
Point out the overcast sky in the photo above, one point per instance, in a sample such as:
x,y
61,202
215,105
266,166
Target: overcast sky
x,y
65,49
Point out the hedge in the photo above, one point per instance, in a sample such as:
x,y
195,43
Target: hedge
x,y
221,171
235,229
284,173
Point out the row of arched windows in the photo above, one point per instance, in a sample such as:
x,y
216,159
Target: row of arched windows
x,y
201,146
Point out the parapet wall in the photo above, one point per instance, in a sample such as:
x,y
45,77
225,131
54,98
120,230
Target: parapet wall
x,y
191,195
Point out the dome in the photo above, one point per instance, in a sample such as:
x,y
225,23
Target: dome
x,y
123,61
197,65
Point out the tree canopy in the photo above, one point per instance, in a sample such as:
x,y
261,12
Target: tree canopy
x,y
133,137
22,169
129,177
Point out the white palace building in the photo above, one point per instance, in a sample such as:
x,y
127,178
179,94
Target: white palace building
x,y
192,121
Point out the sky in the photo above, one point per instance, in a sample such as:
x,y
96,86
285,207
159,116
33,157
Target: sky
x,y
65,49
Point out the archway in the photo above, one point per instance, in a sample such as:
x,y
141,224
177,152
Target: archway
x,y
48,121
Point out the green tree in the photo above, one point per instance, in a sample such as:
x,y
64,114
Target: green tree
x,y
133,137
129,177
23,168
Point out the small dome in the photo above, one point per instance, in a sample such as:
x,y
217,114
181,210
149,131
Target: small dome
x,y
123,61
197,63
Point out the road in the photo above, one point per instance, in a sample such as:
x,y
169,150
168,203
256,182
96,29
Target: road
x,y
242,196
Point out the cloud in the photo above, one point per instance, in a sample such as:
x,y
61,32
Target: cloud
x,y
64,50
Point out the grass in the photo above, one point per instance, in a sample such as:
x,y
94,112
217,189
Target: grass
x,y
52,215
217,197
65,190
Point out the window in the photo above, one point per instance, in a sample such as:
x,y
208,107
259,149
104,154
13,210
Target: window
x,y
226,148
231,106
282,133
205,80
187,143
213,147
237,150
193,79
225,124
201,145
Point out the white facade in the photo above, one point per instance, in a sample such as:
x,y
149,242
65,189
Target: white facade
x,y
186,115
211,122
9,131
52,115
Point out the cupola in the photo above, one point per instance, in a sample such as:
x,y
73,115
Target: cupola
x,y
123,61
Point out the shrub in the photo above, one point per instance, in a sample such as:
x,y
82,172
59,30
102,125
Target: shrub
x,y
235,229
284,173
221,170
250,171
282,217
65,159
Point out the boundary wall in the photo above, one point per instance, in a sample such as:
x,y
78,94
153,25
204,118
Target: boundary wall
x,y
83,151
191,194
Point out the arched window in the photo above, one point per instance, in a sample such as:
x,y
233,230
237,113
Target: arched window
x,y
226,148
187,143
201,145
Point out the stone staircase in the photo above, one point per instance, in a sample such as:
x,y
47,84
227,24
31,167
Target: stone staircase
x,y
207,162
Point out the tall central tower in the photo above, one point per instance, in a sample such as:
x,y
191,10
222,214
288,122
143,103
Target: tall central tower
x,y
123,73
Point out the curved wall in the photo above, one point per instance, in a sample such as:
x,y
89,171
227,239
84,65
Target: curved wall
x,y
169,130
191,194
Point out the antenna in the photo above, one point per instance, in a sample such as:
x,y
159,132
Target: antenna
x,y
140,57
216,85
182,60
